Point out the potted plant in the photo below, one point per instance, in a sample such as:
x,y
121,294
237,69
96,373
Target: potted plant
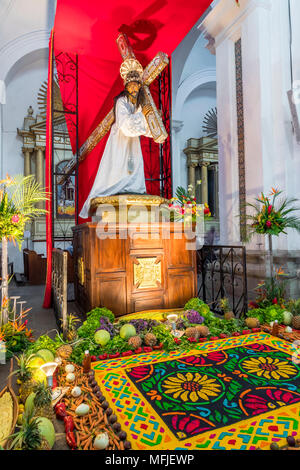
x,y
272,217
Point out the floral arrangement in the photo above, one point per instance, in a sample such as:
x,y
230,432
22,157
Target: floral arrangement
x,y
18,198
271,218
184,205
16,335
271,291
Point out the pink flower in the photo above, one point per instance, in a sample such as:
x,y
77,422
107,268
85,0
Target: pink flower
x,y
270,208
15,219
268,224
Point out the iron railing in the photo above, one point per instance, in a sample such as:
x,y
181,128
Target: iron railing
x,y
222,272
60,287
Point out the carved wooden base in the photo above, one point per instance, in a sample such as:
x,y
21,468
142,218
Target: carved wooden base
x,y
141,268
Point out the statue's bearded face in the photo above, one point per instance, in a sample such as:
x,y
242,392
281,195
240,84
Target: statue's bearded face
x,y
133,88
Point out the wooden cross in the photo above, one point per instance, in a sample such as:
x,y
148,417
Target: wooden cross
x,y
154,120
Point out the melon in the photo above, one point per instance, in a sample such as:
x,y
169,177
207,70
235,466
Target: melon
x,y
29,405
287,318
102,337
36,362
47,430
46,355
127,331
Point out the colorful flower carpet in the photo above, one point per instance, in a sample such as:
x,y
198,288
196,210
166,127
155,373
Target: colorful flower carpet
x,y
237,393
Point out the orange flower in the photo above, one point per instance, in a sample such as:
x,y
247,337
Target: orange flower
x,y
274,191
280,271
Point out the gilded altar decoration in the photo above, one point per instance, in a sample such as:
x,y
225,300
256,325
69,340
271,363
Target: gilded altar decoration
x,y
147,273
80,268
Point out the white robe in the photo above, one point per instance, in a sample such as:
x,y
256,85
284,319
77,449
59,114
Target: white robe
x,y
113,176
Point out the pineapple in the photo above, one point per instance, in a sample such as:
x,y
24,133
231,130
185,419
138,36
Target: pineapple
x,y
150,339
64,351
71,334
29,437
24,374
296,322
224,305
135,342
202,330
43,401
252,322
294,308
192,332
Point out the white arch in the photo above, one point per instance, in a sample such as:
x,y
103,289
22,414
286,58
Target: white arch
x,y
21,46
189,84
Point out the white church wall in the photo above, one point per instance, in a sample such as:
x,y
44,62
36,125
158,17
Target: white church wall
x,y
22,87
24,34
271,153
193,94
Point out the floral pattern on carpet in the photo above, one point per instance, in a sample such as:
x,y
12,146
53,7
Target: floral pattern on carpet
x,y
201,393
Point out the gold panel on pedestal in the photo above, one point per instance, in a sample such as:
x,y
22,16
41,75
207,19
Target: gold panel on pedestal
x,y
147,273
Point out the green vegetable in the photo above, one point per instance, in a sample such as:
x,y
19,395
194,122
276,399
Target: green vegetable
x,y
194,304
92,323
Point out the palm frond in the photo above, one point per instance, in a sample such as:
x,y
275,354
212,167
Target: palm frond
x,y
25,194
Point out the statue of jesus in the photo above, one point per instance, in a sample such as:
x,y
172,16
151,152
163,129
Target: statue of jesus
x,y
121,170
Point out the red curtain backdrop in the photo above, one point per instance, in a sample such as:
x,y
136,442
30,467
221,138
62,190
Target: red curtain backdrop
x,y
88,30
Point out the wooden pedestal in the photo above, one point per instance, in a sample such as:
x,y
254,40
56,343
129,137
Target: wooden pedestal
x,y
139,269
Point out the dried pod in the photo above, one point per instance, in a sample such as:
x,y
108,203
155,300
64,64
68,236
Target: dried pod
x,y
112,419
122,435
127,445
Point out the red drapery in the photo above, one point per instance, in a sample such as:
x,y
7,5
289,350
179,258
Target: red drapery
x,y
88,29
48,177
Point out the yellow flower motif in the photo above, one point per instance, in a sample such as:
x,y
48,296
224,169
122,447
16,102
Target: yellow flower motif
x,y
270,368
191,387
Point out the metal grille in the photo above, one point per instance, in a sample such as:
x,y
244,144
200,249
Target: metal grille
x,y
222,272
60,286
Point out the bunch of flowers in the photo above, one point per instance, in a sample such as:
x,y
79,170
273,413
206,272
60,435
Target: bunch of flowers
x,y
272,291
194,317
184,205
16,335
105,324
272,218
18,198
142,325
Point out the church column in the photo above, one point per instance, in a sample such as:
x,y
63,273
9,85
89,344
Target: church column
x,y
27,161
39,171
192,175
204,183
216,189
